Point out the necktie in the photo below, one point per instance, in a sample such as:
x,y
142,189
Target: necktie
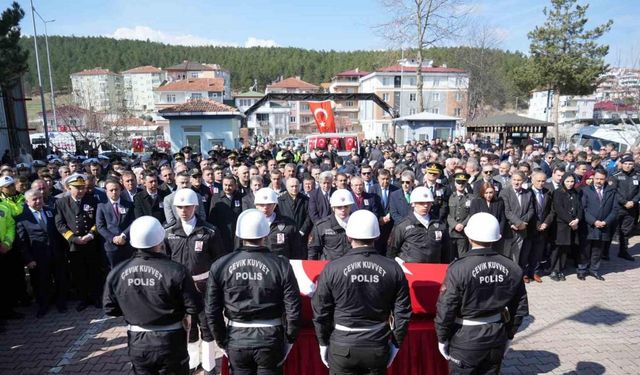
x,y
41,219
407,197
599,190
384,197
115,211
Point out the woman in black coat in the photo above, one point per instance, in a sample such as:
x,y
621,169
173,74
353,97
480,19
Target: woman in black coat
x,y
487,201
569,221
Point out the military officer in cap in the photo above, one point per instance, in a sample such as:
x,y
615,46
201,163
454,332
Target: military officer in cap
x,y
627,183
420,237
459,204
257,292
196,244
156,297
482,303
76,221
439,191
358,296
283,238
328,238
188,156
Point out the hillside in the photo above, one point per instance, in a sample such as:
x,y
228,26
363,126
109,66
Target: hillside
x,y
72,54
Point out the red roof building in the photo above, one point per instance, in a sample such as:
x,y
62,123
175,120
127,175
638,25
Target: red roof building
x,y
200,106
147,69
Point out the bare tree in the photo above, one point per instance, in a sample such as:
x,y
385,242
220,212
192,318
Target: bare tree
x,y
422,24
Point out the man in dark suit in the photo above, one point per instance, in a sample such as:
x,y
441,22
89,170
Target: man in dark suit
x,y
540,227
295,206
545,164
75,220
150,200
518,208
129,186
168,180
364,200
554,182
368,179
383,190
319,206
225,209
399,206
600,203
113,220
40,245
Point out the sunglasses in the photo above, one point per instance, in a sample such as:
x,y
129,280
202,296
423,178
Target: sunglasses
x,y
487,172
406,182
365,173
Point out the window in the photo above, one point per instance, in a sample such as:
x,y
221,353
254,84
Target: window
x,y
435,110
459,81
385,97
349,90
196,95
412,81
194,74
457,112
292,119
412,97
458,97
397,80
262,117
304,107
171,98
436,82
412,111
386,81
436,96
213,95
349,103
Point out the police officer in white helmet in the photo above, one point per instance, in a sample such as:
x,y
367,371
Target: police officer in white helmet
x,y
283,239
482,303
257,292
328,238
357,296
155,296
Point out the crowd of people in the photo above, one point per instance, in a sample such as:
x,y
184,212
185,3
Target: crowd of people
x,y
67,218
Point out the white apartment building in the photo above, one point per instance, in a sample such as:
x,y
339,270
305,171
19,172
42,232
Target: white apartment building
x,y
445,92
300,119
98,90
347,111
190,69
139,84
572,108
182,91
271,119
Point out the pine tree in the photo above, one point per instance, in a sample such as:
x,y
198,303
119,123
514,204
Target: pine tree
x,y
13,59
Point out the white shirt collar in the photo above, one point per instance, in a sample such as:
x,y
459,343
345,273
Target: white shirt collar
x,y
189,225
424,220
271,218
112,202
343,223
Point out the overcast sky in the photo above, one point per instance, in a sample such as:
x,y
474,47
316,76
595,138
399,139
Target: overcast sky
x,y
322,25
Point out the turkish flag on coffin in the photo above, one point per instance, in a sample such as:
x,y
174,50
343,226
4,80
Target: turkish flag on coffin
x,y
323,115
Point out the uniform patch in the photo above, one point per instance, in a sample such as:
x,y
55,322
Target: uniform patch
x,y
236,203
467,204
366,202
198,246
49,214
438,234
122,210
87,208
329,232
409,227
280,238
439,193
635,182
281,227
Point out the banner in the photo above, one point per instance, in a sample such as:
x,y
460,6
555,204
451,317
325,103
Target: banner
x,y
323,114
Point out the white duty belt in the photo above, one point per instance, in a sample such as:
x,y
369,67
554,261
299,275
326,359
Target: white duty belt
x,y
480,321
262,323
200,277
153,328
382,325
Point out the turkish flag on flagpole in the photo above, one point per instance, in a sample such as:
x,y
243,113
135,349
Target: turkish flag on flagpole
x,y
323,115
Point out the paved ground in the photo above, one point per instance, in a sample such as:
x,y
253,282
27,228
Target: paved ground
x,y
575,327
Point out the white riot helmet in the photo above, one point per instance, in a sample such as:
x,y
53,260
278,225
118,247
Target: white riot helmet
x,y
483,227
265,196
421,195
185,197
341,197
363,225
146,232
252,225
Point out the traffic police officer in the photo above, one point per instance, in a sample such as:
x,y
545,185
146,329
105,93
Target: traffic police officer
x,y
328,238
459,203
76,221
257,292
357,296
155,295
419,238
627,183
196,244
283,239
482,303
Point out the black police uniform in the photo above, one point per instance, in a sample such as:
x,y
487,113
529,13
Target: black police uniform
x,y
284,239
412,242
76,219
328,240
628,187
253,286
153,294
196,251
223,213
356,296
481,305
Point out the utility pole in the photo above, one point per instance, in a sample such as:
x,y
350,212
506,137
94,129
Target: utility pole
x,y
53,96
44,108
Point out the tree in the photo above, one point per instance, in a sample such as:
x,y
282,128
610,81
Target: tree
x,y
565,56
13,59
422,23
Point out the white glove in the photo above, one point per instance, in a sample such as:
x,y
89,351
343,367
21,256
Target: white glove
x,y
393,351
507,346
324,356
443,347
224,353
287,349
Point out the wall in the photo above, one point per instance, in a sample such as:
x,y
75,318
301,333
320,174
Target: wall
x,y
413,130
211,127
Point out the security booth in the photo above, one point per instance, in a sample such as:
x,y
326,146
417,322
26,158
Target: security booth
x,y
509,126
425,126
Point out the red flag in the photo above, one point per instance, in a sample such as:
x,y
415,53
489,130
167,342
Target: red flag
x,y
323,115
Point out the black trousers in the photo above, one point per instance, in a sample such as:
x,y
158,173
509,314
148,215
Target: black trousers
x,y
538,244
87,271
475,362
199,327
459,247
16,276
256,361
591,255
120,255
159,353
626,223
350,360
49,279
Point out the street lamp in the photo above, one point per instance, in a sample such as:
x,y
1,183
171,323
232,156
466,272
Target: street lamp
x,y
44,109
46,42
